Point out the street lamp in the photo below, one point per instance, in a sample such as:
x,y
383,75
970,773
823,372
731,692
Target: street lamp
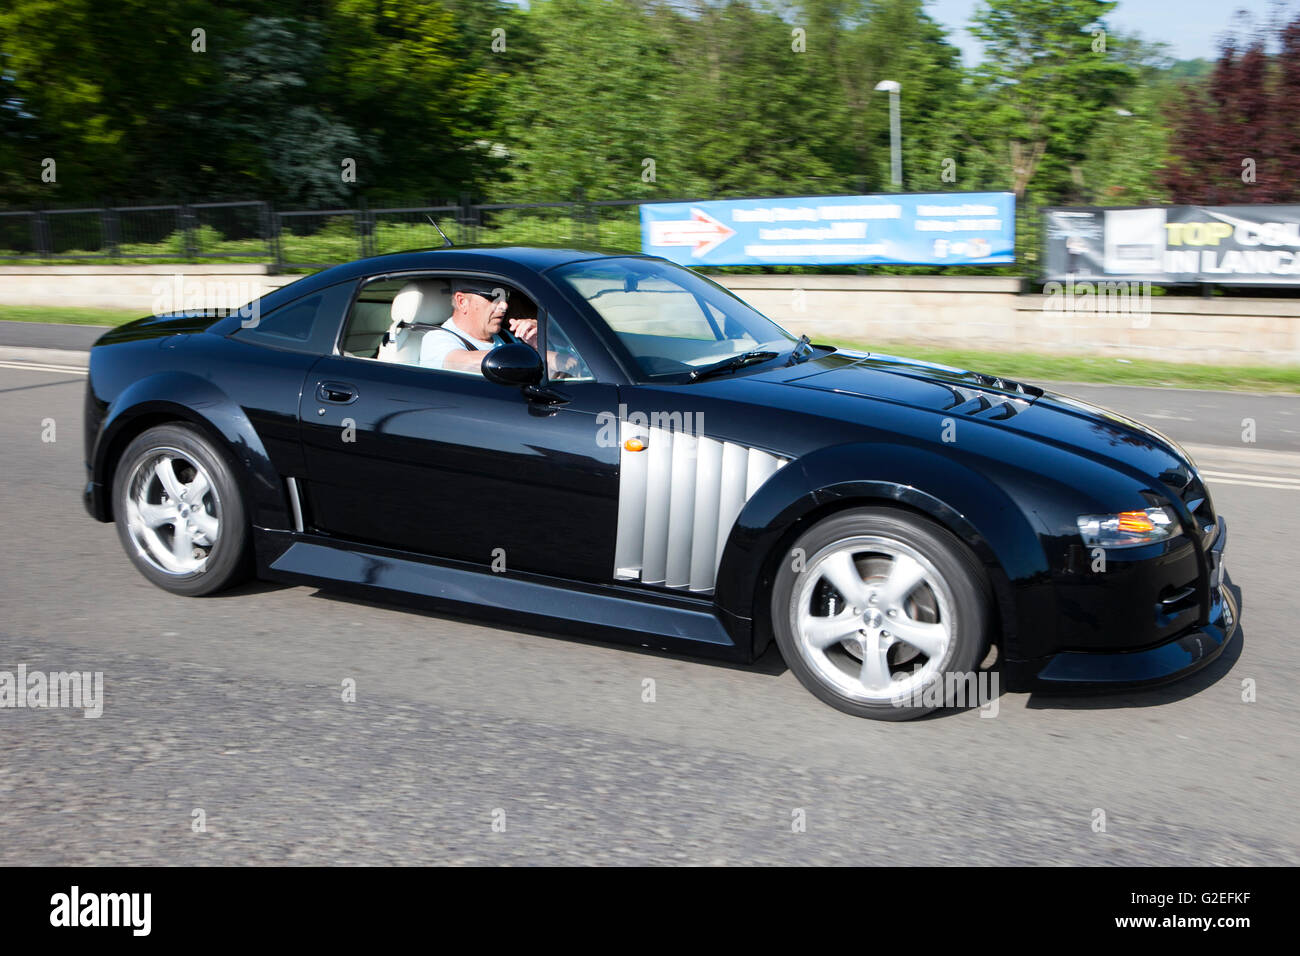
x,y
893,88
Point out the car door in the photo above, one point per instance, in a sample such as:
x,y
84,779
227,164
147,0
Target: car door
x,y
454,466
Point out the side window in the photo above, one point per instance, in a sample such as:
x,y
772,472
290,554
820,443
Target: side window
x,y
371,323
563,363
305,325
439,322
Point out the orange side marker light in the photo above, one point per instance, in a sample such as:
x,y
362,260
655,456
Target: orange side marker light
x,y
1137,521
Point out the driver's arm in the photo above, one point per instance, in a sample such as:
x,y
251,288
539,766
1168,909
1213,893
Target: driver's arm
x,y
464,360
442,350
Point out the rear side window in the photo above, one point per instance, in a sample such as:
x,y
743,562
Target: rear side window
x,y
308,324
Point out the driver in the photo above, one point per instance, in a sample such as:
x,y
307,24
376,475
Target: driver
x,y
478,312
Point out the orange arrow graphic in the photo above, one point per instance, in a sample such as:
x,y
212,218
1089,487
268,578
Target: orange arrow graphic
x,y
701,231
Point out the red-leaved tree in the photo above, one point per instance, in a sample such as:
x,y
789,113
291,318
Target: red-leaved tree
x,y
1237,139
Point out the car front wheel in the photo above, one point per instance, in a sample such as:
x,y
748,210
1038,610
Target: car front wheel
x,y
179,512
881,613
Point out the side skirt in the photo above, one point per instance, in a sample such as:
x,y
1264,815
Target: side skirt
x,y
615,613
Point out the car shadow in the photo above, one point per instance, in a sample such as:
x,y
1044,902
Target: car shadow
x,y
254,586
1101,699
769,663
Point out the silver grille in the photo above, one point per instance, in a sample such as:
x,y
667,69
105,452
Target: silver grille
x,y
677,501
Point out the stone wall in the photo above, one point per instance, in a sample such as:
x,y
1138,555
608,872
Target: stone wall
x,y
988,313
968,312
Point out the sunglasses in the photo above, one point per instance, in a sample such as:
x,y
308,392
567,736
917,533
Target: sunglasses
x,y
502,294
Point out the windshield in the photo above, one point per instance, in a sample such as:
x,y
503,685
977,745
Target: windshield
x,y
672,320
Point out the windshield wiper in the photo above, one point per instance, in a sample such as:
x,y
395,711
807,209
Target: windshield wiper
x,y
734,362
804,342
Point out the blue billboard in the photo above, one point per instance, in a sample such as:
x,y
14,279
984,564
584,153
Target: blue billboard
x,y
938,229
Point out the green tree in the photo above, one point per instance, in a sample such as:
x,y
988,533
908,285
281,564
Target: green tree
x,y
111,91
1129,146
744,116
1049,77
855,44
590,105
292,148
423,90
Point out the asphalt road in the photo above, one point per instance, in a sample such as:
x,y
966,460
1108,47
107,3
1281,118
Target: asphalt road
x,y
50,336
1245,421
232,705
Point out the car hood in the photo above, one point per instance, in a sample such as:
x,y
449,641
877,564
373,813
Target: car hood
x,y
1061,420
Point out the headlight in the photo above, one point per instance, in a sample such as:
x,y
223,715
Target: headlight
x,y
1128,529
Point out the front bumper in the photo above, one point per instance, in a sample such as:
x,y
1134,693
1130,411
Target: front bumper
x,y
1184,654
96,501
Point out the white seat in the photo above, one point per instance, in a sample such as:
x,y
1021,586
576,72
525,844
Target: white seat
x,y
416,307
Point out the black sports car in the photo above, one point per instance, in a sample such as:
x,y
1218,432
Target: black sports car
x,y
661,465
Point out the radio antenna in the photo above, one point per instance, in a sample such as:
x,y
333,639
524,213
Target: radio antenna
x,y
435,225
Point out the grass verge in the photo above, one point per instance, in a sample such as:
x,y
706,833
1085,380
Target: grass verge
x,y
66,316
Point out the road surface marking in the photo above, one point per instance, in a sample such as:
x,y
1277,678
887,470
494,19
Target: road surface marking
x,y
1253,484
35,367
1295,482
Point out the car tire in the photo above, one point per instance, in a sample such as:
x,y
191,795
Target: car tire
x,y
896,570
179,512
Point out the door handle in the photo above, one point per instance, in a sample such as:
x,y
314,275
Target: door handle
x,y
338,393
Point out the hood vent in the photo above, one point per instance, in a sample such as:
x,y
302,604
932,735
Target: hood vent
x,y
995,406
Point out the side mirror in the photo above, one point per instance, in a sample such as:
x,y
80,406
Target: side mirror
x,y
514,364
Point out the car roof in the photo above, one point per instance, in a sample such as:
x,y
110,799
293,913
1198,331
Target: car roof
x,y
503,259
535,258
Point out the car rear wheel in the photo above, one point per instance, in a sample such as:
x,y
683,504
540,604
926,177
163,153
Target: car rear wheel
x,y
880,612
179,512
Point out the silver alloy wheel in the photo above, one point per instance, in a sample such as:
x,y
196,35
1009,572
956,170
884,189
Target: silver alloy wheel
x,y
873,617
173,513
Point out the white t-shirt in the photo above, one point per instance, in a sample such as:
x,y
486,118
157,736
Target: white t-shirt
x,y
437,345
